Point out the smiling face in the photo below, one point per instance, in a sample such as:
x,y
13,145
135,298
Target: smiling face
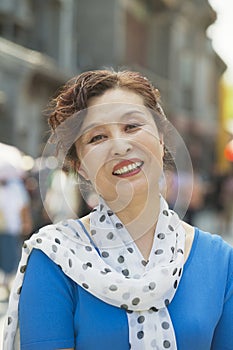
x,y
120,149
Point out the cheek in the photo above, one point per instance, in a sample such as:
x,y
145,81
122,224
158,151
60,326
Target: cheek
x,y
153,146
92,161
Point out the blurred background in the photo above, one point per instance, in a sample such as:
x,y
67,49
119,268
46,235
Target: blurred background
x,y
183,47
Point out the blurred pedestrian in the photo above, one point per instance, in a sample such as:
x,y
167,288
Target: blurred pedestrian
x,y
15,223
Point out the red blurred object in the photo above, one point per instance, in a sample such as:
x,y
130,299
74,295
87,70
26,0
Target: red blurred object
x,y
228,151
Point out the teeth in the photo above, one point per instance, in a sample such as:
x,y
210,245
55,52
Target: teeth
x,y
128,168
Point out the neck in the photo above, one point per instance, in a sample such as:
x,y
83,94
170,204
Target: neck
x,y
140,214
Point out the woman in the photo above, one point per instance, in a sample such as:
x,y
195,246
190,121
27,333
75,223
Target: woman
x,y
130,274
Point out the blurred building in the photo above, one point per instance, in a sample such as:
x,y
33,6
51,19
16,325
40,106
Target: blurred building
x,y
44,42
225,133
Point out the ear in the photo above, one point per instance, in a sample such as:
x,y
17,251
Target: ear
x,y
81,171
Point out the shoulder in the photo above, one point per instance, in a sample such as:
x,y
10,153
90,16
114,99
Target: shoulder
x,y
213,255
207,241
41,266
207,249
215,243
44,278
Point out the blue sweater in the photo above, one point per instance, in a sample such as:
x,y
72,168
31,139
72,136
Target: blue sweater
x,y
55,313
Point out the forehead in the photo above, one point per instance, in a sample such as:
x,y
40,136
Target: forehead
x,y
118,95
115,105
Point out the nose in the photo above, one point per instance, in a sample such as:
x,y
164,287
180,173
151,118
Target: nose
x,y
120,146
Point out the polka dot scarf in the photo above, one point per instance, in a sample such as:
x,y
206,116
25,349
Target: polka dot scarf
x,y
108,264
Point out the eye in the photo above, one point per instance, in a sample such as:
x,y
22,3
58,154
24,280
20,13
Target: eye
x,y
97,138
132,127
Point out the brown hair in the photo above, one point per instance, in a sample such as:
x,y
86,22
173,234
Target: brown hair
x,y
74,96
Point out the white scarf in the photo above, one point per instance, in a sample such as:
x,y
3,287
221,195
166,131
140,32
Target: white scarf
x,y
109,265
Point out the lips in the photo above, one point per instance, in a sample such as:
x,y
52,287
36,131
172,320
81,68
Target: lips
x,y
127,167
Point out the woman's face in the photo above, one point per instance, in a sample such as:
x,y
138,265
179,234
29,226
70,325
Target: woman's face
x,y
120,149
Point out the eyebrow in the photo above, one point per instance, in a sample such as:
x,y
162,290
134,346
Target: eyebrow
x,y
93,125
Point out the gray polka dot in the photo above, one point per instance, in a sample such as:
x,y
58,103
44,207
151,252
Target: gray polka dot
x,y
125,272
113,287
105,254
140,334
166,344
141,319
130,250
102,218
119,225
120,259
161,235
23,268
135,301
101,207
144,262
88,248
110,235
152,286
165,325
159,251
